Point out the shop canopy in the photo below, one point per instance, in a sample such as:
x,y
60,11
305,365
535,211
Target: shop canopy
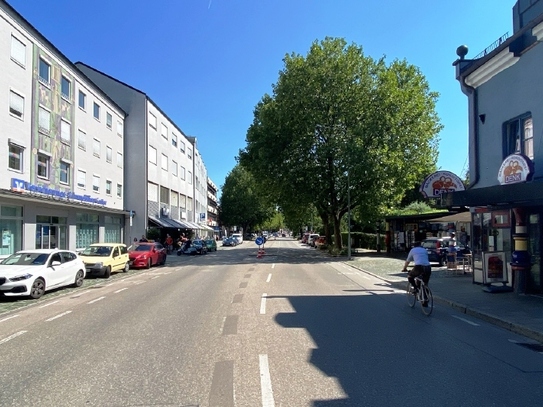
x,y
169,223
457,217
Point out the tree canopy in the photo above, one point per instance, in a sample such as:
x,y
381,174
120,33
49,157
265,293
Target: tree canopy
x,y
342,128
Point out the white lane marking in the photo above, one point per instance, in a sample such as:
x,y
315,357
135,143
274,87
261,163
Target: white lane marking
x,y
80,294
58,316
265,382
15,335
465,320
96,300
263,304
222,325
138,282
273,265
269,278
122,289
155,277
46,305
5,319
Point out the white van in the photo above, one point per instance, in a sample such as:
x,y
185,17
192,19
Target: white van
x,y
238,236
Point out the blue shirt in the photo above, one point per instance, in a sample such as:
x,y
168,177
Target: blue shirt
x,y
419,255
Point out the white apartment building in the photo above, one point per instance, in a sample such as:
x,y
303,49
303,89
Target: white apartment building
x,y
62,144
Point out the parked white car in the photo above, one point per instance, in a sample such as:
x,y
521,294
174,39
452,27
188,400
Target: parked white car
x,y
238,236
33,272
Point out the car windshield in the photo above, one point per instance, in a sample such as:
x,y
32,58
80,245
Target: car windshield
x,y
143,248
210,241
26,259
102,251
429,244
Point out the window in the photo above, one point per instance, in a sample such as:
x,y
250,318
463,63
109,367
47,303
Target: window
x,y
182,146
190,178
95,183
44,72
152,120
152,155
164,131
16,104
189,154
120,128
44,121
81,179
65,88
109,186
109,154
174,140
164,162
18,51
81,139
164,195
96,111
182,173
96,147
82,100
119,191
109,120
15,161
65,131
43,166
64,172
518,137
119,160
174,168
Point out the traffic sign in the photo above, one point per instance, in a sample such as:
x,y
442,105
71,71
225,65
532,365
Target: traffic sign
x,y
259,240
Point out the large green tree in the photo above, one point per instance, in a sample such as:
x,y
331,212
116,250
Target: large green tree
x,y
342,130
242,204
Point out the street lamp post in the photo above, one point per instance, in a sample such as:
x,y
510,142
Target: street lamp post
x,y
348,218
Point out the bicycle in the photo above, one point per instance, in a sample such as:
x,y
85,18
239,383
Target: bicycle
x,y
423,294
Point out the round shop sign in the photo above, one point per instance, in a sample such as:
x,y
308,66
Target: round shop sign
x,y
440,182
514,169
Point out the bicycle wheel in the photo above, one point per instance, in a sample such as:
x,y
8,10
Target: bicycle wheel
x,y
411,297
427,310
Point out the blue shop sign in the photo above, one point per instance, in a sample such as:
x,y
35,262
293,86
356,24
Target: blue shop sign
x,y
19,185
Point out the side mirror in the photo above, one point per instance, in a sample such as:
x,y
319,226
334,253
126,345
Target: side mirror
x,y
56,263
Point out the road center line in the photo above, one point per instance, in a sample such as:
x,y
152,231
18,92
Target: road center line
x,y
9,338
122,289
263,304
273,265
5,319
46,305
465,320
58,316
155,277
96,300
265,382
269,278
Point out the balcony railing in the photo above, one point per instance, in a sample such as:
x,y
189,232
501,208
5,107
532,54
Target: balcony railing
x,y
493,46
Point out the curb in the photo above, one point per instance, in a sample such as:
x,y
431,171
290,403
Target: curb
x,y
464,309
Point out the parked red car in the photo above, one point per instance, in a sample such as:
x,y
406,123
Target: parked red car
x,y
147,254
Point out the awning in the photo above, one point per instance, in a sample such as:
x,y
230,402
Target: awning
x,y
184,224
192,225
457,217
167,223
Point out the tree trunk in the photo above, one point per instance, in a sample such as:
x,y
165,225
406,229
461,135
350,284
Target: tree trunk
x,y
337,234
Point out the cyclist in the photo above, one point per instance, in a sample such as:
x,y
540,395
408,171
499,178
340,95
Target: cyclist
x,y
419,256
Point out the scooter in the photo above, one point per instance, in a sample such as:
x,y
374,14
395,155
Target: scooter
x,y
186,249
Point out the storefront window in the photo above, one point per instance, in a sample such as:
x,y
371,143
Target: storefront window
x,y
11,224
113,229
86,229
534,247
51,232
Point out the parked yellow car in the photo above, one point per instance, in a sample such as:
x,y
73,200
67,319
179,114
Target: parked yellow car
x,y
101,259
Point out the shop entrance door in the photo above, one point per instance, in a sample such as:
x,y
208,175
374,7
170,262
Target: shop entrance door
x,y
50,236
534,247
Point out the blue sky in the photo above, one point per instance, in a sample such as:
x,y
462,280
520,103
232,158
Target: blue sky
x,y
207,63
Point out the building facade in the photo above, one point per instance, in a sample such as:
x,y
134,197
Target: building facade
x,y
62,138
504,87
212,207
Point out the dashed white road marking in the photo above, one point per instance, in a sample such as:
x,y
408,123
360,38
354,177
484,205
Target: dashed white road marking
x,y
155,277
265,382
269,278
465,320
263,304
96,300
9,338
46,305
58,316
11,317
122,289
273,265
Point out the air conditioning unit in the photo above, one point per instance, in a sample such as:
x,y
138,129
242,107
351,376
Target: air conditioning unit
x,y
165,212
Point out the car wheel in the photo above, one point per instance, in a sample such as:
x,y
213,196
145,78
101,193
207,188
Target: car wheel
x,y
37,289
163,260
79,277
126,268
149,263
107,273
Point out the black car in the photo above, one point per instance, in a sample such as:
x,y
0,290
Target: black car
x,y
437,249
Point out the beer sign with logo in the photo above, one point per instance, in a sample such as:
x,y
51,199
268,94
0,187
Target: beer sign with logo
x,y
441,182
514,169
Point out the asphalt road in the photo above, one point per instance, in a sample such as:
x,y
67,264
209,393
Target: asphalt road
x,y
293,328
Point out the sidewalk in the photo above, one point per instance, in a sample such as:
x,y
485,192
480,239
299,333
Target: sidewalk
x,y
522,314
